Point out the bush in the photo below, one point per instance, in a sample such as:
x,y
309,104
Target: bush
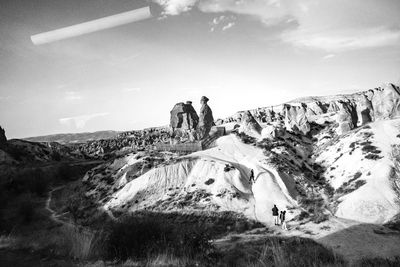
x,y
29,180
39,183
142,237
319,217
26,210
209,181
277,251
303,215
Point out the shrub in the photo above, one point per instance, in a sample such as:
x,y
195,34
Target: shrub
x,y
303,215
26,210
319,217
39,183
372,157
276,251
228,167
142,237
210,181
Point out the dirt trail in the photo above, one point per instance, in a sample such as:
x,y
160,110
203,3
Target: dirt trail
x,y
53,214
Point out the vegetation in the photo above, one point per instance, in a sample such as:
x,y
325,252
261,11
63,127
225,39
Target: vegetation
x,y
277,251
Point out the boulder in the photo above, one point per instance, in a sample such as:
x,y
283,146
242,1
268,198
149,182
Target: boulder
x,y
296,119
3,138
346,117
249,125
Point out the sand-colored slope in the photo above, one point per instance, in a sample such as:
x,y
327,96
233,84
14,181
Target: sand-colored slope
x,y
207,171
373,200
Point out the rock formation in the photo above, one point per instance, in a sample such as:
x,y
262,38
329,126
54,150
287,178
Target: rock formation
x,y
315,108
365,110
386,102
206,118
296,119
184,119
3,138
249,125
346,117
273,130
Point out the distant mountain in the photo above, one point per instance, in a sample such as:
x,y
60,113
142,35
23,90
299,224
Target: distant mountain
x,y
74,137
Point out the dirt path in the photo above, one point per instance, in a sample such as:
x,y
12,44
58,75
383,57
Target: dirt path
x,y
53,214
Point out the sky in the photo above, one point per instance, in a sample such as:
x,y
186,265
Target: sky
x,y
241,54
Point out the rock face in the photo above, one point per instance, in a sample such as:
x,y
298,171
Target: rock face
x,y
184,119
3,138
273,130
315,108
346,117
249,125
296,119
365,110
206,120
386,102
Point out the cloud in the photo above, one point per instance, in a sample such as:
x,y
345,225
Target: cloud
x,y
220,20
328,56
330,25
175,7
4,98
79,122
344,40
72,96
228,26
131,89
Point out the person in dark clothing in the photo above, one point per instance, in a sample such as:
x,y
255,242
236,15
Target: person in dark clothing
x,y
251,179
283,219
275,213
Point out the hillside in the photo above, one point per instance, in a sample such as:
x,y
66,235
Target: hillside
x,y
74,137
331,162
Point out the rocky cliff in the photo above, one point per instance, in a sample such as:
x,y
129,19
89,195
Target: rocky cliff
x,y
351,110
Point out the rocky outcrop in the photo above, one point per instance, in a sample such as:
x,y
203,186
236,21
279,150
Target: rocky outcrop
x,y
184,120
346,117
249,125
386,102
365,110
315,108
333,107
3,138
273,130
296,119
206,120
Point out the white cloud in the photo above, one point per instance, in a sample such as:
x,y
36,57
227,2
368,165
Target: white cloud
x,y
328,56
228,26
175,7
343,40
131,89
330,25
220,20
72,96
80,121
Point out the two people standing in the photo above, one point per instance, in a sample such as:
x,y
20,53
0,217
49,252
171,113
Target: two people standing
x,y
279,217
